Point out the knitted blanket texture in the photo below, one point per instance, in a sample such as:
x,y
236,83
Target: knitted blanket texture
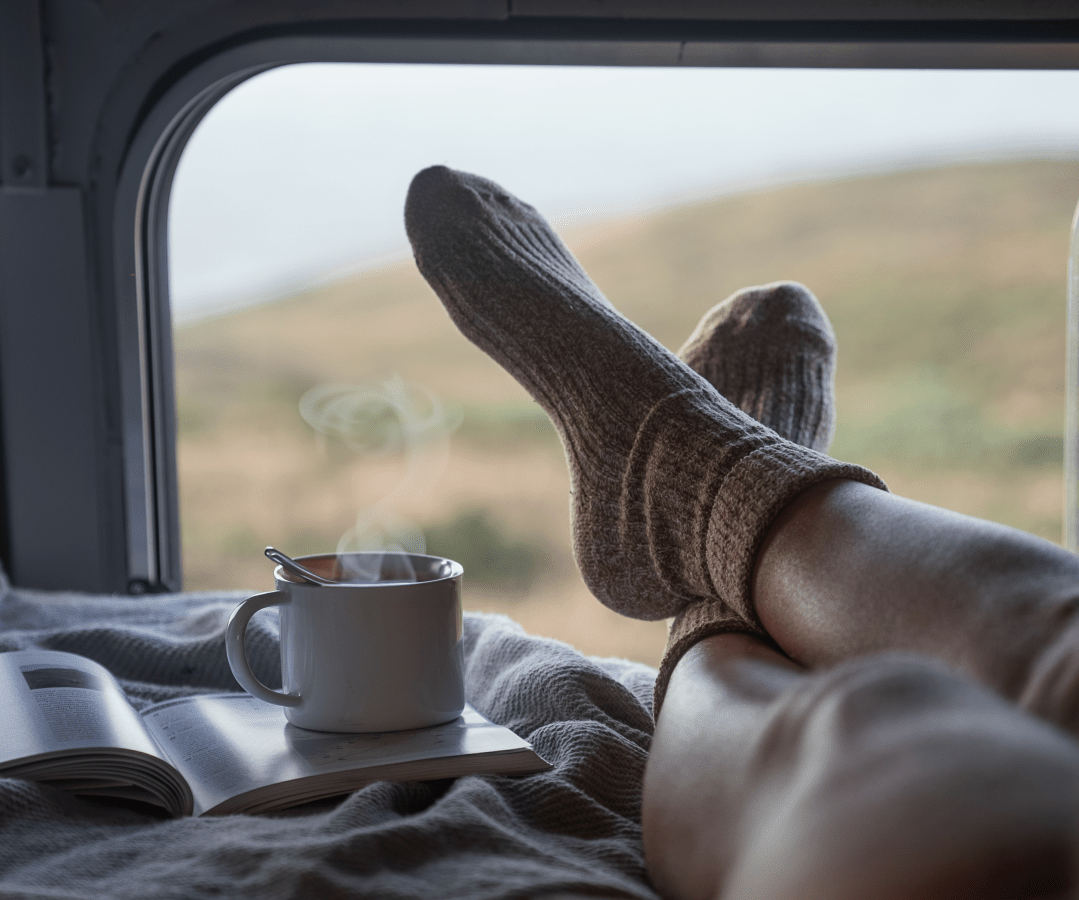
x,y
572,830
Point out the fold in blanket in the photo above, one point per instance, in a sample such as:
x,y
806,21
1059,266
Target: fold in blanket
x,y
573,830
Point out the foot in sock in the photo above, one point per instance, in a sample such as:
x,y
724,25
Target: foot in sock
x,y
771,351
673,487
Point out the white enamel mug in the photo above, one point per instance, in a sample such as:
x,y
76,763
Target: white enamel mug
x,y
378,656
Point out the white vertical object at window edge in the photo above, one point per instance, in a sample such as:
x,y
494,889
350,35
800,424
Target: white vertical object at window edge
x,y
1071,416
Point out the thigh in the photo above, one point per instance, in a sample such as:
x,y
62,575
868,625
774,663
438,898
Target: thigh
x,y
892,777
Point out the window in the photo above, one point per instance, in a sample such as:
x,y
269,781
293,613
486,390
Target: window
x,y
928,211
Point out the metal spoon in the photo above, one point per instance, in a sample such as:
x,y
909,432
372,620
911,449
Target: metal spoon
x,y
295,568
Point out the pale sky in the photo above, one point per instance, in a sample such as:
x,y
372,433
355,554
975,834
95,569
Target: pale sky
x,y
300,174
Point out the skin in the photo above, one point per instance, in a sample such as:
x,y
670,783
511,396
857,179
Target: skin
x,y
847,570
908,741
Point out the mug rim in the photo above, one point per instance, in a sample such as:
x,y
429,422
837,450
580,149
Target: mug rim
x,y
456,571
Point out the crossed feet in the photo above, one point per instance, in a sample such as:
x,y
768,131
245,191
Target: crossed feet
x,y
677,468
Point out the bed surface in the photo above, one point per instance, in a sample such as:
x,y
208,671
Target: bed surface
x,y
572,830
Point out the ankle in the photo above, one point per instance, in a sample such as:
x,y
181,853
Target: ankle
x,y
698,623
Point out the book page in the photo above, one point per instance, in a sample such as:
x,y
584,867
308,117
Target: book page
x,y
231,744
55,701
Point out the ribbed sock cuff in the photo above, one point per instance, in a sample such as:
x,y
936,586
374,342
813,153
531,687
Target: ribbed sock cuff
x,y
752,495
748,501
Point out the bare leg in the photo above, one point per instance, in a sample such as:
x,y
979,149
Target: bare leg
x,y
885,777
847,571
713,717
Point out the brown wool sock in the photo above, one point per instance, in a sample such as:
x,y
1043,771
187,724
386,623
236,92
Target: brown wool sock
x,y
673,487
771,351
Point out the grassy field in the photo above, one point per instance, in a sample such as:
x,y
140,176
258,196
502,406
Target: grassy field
x,y
946,289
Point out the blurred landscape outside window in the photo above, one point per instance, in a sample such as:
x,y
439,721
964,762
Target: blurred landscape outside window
x,y
324,398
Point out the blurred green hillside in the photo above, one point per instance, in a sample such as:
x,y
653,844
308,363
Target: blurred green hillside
x,y
946,288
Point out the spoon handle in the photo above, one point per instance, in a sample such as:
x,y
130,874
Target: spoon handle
x,y
294,567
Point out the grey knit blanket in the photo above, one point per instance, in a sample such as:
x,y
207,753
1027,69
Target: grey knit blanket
x,y
574,830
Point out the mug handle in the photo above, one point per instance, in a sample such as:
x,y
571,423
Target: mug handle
x,y
234,648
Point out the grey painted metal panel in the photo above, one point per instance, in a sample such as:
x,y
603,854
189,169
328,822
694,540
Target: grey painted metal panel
x,y
23,143
882,54
822,10
47,389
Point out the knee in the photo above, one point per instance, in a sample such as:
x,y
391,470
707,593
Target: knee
x,y
891,777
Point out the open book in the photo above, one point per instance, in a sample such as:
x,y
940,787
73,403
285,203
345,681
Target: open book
x,y
67,722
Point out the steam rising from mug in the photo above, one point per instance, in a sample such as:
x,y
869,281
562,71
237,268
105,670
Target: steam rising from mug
x,y
376,421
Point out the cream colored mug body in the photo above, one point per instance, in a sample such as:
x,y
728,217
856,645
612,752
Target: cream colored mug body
x,y
379,656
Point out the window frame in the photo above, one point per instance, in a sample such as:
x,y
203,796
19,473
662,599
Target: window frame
x,y
144,123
